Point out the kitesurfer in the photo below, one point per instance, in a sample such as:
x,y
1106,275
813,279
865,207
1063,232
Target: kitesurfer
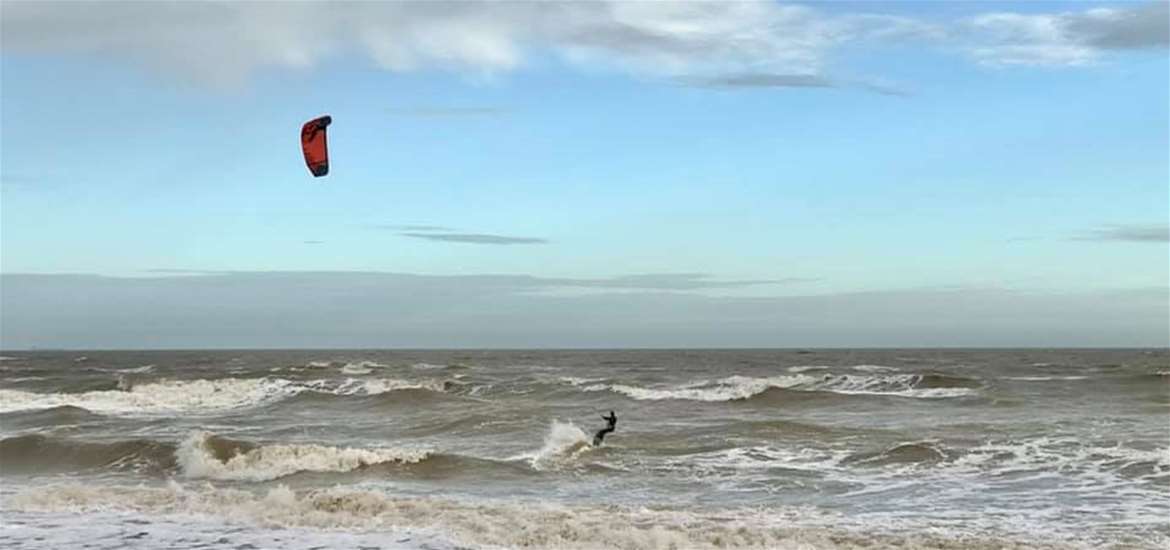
x,y
610,424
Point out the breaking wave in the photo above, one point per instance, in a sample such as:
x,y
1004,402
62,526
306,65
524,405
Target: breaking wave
x,y
563,443
874,368
203,396
737,388
1104,464
427,366
805,368
137,370
205,456
579,381
202,455
356,368
345,367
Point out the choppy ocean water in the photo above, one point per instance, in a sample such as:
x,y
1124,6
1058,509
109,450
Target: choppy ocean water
x,y
490,449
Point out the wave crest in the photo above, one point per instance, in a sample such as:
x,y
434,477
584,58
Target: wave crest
x,y
737,388
170,396
563,442
205,455
204,396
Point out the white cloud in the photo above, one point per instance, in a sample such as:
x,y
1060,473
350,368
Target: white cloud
x,y
474,238
1071,38
223,43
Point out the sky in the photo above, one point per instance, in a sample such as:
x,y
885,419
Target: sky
x,y
585,174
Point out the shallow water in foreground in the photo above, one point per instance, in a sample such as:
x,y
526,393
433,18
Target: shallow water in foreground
x,y
445,449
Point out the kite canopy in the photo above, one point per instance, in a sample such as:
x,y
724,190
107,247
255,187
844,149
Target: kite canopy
x,y
313,144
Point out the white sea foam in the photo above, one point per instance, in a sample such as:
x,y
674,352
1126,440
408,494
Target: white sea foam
x,y
478,525
901,385
202,396
875,368
356,368
743,387
427,366
345,367
1094,465
349,516
120,528
268,462
806,368
579,381
161,397
763,458
1043,378
563,443
362,367
1053,454
1082,471
374,386
137,370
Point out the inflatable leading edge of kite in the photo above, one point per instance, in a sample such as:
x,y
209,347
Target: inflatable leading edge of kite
x,y
313,144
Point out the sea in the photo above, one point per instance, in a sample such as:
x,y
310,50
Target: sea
x,y
809,449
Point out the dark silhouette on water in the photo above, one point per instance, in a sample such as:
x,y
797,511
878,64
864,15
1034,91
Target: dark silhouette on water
x,y
611,423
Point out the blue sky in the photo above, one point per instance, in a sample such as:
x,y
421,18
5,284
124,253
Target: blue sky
x,y
835,148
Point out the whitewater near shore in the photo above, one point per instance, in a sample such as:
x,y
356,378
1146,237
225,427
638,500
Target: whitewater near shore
x,y
490,449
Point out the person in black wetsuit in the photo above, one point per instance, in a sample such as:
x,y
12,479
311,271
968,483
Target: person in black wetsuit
x,y
610,424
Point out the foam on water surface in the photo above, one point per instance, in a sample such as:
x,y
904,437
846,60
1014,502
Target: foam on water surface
x,y
196,458
958,448
202,396
240,516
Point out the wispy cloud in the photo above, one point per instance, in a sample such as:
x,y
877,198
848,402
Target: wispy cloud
x,y
774,80
169,271
758,80
395,227
882,88
487,284
449,112
665,281
1149,233
473,238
